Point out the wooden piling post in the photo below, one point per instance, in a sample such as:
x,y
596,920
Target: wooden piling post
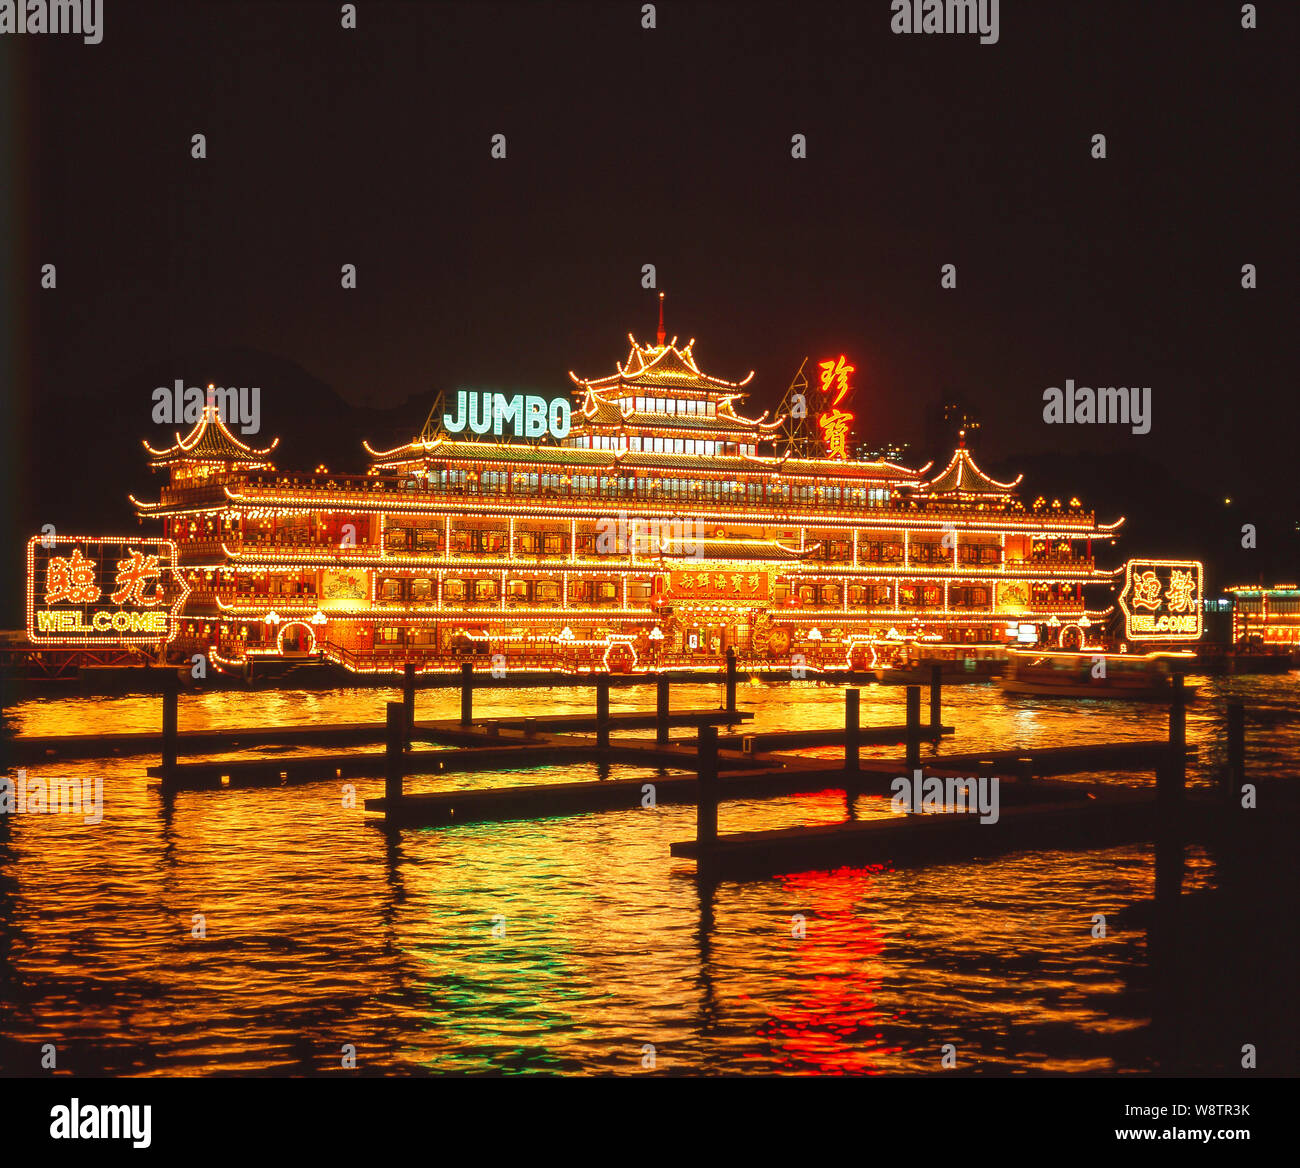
x,y
408,695
852,705
466,692
394,742
913,728
1171,778
170,693
936,684
706,816
1235,775
731,679
602,710
661,709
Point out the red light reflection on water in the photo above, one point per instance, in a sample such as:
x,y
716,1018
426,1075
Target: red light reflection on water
x,y
833,1030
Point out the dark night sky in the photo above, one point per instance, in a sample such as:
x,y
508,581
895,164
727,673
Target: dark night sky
x,y
672,147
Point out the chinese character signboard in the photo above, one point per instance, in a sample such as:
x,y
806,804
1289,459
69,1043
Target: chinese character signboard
x,y
717,584
835,423
102,590
1161,600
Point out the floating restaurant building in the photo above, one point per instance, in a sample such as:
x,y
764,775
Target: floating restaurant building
x,y
650,523
1268,616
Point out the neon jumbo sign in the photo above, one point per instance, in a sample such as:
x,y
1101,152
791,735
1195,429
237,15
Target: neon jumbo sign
x,y
520,415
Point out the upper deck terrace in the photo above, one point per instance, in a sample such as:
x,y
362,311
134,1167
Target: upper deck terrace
x,y
764,498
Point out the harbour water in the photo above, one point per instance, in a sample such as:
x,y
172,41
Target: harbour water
x,y
571,944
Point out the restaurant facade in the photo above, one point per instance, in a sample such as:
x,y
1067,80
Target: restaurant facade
x,y
643,521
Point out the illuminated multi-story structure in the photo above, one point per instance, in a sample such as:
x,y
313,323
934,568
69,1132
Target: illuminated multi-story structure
x,y
1268,616
646,527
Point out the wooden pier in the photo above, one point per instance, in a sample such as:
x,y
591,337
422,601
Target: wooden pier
x,y
518,742
708,769
69,746
750,774
1032,814
1068,819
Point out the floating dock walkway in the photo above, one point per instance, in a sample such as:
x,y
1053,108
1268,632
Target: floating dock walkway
x,y
1034,810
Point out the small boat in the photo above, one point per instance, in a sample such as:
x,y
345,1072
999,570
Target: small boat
x,y
958,664
1127,676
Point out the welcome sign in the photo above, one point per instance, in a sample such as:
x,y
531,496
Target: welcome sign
x,y
1161,600
519,415
102,590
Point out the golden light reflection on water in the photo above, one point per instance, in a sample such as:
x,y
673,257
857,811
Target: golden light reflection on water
x,y
319,932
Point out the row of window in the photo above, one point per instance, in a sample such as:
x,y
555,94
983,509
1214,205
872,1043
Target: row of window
x,y
672,405
653,485
709,446
882,595
491,541
488,590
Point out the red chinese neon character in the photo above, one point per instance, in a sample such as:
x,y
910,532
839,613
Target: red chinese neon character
x,y
839,372
1146,591
835,427
72,580
1182,590
131,577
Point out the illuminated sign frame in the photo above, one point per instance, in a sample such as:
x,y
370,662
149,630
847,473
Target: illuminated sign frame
x,y
718,584
1141,576
94,632
834,423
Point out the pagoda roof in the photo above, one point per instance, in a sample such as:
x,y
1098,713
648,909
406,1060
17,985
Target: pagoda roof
x,y
210,441
962,477
661,368
713,550
611,413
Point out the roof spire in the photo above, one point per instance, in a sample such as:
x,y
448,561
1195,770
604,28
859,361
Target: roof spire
x,y
661,334
961,439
